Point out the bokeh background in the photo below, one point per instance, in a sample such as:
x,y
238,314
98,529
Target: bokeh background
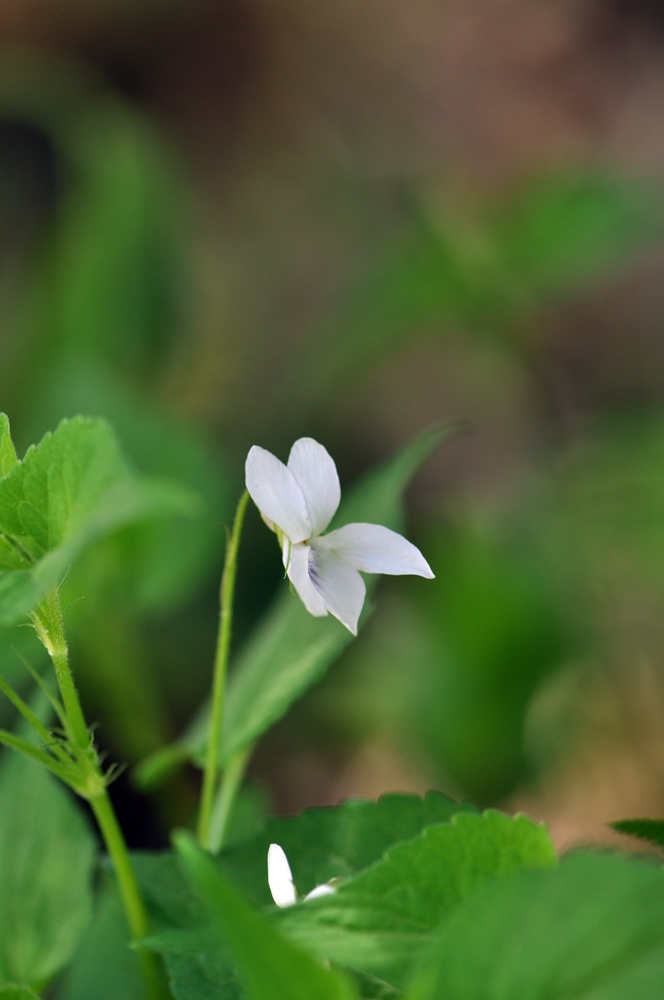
x,y
228,222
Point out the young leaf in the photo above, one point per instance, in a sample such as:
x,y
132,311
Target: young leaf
x,y
336,841
651,830
272,968
46,858
292,650
69,490
7,450
592,929
380,920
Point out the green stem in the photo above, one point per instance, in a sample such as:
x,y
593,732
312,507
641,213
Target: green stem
x,y
50,629
219,679
223,806
130,894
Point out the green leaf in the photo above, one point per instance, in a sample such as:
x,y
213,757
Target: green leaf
x,y
198,963
47,854
162,560
71,489
291,650
7,450
272,968
321,844
13,992
335,841
380,920
104,966
592,929
651,830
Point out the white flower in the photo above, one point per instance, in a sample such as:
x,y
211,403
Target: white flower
x,y
280,880
298,501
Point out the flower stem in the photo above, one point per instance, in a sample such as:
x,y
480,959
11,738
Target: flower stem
x,y
223,806
219,679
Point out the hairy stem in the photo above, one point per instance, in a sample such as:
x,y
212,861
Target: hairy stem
x,y
210,774
50,629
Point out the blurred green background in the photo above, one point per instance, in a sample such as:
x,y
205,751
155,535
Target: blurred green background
x,y
233,223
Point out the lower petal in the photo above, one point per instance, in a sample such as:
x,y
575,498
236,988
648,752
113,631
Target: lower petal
x,y
296,560
341,587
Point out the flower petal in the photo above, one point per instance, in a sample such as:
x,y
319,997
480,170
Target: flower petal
x,y
316,475
375,549
279,877
297,567
275,492
341,587
321,890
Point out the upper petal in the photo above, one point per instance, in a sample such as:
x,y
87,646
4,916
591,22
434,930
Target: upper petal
x,y
341,587
316,475
275,492
279,877
297,562
375,549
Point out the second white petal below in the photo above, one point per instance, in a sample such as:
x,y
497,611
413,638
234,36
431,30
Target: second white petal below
x,y
296,559
339,584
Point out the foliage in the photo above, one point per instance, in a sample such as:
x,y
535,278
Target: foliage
x,y
47,854
590,928
69,490
651,830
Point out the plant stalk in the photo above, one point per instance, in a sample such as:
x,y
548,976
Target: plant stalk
x,y
50,628
130,894
223,806
210,774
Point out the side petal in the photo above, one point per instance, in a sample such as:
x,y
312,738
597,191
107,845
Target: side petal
x,y
279,877
375,549
297,566
316,475
276,494
341,587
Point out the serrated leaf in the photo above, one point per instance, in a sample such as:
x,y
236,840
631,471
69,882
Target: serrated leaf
x,y
291,650
321,844
380,920
69,490
336,841
592,929
47,854
7,450
272,968
651,830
